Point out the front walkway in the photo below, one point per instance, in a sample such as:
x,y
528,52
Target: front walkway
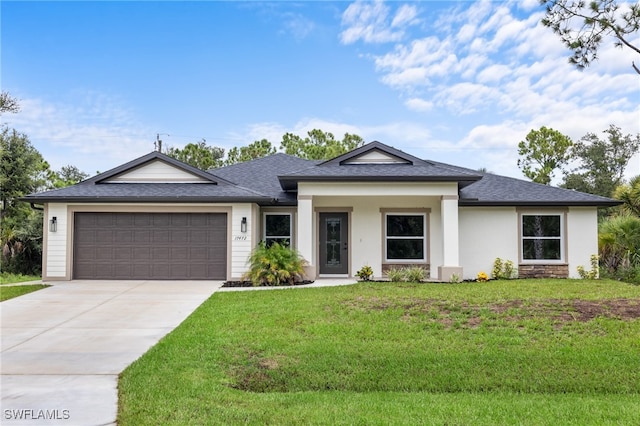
x,y
63,347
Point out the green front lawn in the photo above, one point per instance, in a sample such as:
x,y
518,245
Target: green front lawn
x,y
9,292
540,352
8,278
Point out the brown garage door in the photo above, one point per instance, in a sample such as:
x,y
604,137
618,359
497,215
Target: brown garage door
x,y
150,246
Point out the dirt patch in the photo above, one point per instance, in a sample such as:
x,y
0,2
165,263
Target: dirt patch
x,y
471,316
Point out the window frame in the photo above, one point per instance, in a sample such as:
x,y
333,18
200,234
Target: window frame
x,y
562,238
424,237
265,238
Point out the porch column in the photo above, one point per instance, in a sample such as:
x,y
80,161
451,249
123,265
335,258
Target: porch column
x,y
304,233
450,240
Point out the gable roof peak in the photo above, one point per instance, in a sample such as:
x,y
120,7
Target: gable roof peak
x,y
375,152
149,159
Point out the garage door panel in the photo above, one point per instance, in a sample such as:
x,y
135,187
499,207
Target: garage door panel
x,y
124,236
160,236
160,254
141,236
141,253
150,245
104,253
142,220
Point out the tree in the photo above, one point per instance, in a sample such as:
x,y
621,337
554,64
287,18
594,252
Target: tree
x,y
582,26
257,149
319,145
67,176
630,195
199,155
602,163
543,152
22,171
8,103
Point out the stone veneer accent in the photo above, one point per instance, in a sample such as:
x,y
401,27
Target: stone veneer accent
x,y
543,271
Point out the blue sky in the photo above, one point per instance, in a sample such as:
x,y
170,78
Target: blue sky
x,y
459,82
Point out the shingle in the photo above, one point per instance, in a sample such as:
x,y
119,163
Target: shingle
x,y
273,180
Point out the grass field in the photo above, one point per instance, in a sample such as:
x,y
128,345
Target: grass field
x,y
529,352
7,278
9,292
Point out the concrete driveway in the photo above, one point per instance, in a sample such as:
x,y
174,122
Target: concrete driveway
x,y
63,347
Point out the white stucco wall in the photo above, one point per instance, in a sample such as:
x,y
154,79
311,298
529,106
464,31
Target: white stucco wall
x,y
487,233
582,233
57,261
367,229
366,199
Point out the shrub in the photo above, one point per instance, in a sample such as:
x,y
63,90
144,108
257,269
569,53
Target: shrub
x,y
415,274
366,273
503,270
455,278
619,243
396,275
274,265
509,270
594,272
482,276
496,273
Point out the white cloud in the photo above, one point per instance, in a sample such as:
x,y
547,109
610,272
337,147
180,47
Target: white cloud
x,y
97,132
299,26
373,22
417,104
406,15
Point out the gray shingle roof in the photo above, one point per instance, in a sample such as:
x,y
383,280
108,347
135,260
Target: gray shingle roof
x,y
505,191
96,190
262,175
273,180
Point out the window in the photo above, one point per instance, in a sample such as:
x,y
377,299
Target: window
x,y
542,237
405,237
277,228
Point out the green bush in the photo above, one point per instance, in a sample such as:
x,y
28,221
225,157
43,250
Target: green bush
x,y
395,275
274,265
619,243
593,273
366,273
503,270
413,274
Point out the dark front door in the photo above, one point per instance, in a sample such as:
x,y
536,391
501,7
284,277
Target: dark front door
x,y
334,243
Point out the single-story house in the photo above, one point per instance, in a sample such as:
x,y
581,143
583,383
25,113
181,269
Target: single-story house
x,y
158,218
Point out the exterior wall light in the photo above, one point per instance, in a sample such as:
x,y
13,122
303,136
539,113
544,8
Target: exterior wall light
x,y
53,224
243,225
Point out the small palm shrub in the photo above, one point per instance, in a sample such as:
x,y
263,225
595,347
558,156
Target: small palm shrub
x,y
274,265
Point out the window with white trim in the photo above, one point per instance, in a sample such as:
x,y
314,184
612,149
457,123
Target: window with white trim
x,y
277,228
542,237
405,237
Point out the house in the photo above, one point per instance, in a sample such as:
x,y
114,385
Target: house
x,y
158,218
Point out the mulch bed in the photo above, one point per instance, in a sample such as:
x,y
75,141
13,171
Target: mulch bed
x,y
250,284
